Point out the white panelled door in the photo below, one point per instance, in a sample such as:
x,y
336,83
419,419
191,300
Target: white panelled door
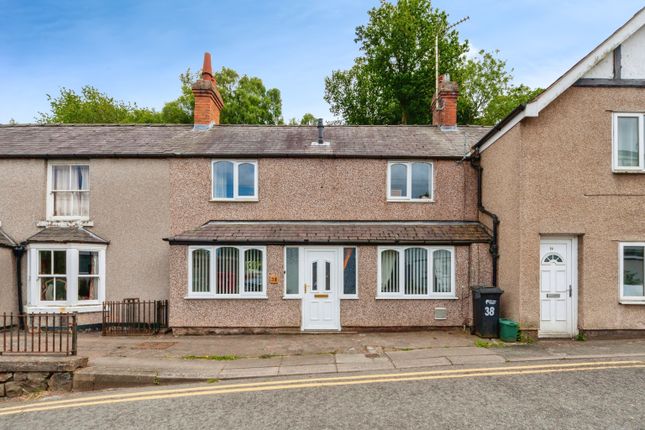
x,y
558,287
320,299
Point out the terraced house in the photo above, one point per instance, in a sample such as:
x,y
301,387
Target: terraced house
x,y
246,227
251,228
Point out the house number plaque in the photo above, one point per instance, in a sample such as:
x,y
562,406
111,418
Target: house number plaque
x,y
273,278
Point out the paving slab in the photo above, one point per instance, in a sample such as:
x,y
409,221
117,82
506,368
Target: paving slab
x,y
417,354
297,360
307,369
422,362
254,372
250,363
380,363
476,359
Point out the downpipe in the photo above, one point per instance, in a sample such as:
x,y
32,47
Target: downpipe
x,y
18,252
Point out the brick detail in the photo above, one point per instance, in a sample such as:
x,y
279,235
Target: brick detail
x,y
444,106
208,100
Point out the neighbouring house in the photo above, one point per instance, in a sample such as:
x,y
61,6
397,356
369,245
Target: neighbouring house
x,y
247,228
565,175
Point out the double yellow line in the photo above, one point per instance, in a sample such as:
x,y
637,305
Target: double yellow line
x,y
318,382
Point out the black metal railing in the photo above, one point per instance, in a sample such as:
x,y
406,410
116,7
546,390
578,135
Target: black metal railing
x,y
38,334
132,317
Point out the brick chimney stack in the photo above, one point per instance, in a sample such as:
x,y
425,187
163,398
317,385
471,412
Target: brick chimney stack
x,y
208,101
444,104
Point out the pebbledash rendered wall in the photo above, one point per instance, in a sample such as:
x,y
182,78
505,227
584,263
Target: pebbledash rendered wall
x,y
128,206
321,189
211,315
8,291
552,175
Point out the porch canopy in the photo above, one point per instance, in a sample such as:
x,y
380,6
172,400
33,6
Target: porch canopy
x,y
334,232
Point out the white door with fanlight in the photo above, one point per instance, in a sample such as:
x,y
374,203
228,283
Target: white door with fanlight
x,y
320,299
558,287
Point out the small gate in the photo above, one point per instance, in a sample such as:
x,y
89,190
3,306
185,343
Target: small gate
x,y
132,317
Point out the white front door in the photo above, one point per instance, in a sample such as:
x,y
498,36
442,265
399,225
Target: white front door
x,y
558,287
320,299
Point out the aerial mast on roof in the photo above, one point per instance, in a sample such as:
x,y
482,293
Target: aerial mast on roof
x,y
441,30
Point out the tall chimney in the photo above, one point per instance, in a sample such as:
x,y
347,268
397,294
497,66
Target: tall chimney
x,y
208,101
444,104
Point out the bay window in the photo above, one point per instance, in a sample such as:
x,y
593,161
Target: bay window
x,y
71,277
416,272
226,272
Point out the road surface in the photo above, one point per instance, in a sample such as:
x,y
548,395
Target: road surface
x,y
602,395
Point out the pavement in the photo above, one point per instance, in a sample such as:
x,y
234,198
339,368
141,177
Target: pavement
x,y
543,395
167,359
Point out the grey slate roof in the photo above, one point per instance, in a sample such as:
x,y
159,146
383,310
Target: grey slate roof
x,y
29,141
5,240
334,232
66,235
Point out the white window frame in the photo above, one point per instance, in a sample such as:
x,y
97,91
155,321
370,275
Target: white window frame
x,y
236,197
641,142
50,193
407,198
631,300
212,293
301,274
400,295
72,304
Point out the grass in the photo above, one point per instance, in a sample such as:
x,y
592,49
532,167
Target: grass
x,y
211,357
581,336
481,343
212,381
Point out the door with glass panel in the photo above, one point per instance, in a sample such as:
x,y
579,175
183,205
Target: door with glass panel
x,y
557,288
320,299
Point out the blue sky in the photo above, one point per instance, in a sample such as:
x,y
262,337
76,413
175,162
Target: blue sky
x,y
134,50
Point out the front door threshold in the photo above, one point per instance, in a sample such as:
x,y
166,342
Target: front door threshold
x,y
550,335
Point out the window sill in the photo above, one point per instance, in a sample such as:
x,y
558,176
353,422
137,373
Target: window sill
x,y
391,200
54,222
236,200
629,171
632,302
292,297
225,297
349,297
417,298
38,309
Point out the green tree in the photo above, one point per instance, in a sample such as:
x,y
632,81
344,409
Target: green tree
x,y
486,90
246,101
307,119
393,81
94,107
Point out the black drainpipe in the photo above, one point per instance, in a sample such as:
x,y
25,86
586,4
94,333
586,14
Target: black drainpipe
x,y
475,161
18,252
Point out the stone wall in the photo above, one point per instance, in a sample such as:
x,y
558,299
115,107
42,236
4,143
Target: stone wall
x,y
20,375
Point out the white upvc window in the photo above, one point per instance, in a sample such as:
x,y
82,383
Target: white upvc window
x,y
223,272
410,181
628,142
234,180
416,272
68,191
294,272
68,277
632,272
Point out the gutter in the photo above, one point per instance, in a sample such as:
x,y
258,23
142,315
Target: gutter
x,y
18,252
475,162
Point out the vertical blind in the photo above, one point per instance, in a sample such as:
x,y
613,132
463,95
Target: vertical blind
x,y
201,270
227,268
253,271
416,271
